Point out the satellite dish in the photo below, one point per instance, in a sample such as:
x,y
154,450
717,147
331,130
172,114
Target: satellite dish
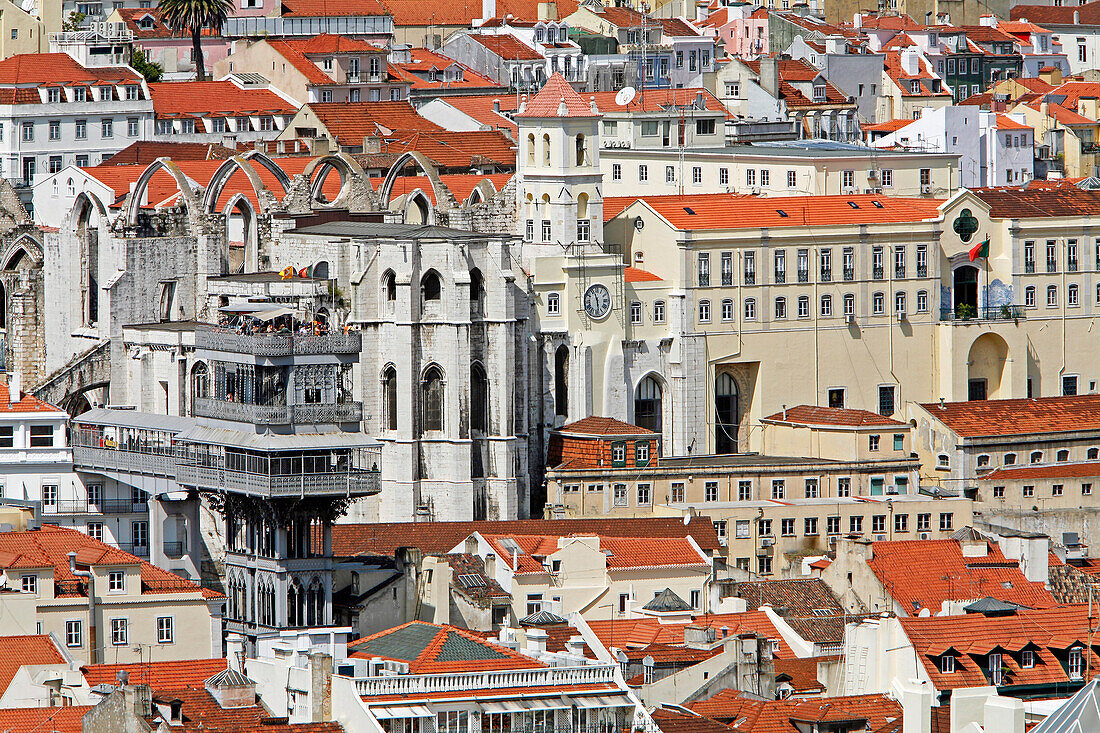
x,y
625,96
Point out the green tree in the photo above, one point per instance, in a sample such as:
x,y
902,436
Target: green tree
x,y
151,70
76,18
193,16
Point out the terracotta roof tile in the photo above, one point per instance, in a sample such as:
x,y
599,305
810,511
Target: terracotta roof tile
x,y
506,46
25,403
59,68
328,8
1086,14
331,43
733,211
593,425
888,126
623,553
201,713
643,631
144,152
214,97
1042,415
451,149
636,275
349,540
47,720
921,574
311,71
15,651
782,716
1004,122
1044,471
464,12
802,673
158,675
557,99
50,545
799,597
351,122
832,416
675,721
422,61
1047,633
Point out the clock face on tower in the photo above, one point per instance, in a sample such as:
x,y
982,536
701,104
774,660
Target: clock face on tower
x,y
597,301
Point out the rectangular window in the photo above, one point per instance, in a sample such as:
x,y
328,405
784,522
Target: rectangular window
x,y
95,530
750,268
779,488
704,311
677,493
710,491
765,527
723,176
133,128
1028,491
832,525
810,526
616,171
41,436
811,488
55,130
81,129
55,164
658,311
641,453
843,487
1075,665
872,442
727,268
618,454
635,313
1086,489
899,441
29,584
743,529
108,127
119,632
765,177
696,175
165,632
901,522
644,494
750,176
534,603
618,494
643,173
946,521
926,176
28,132
786,527
849,263
792,179
49,495
744,490
1052,256
116,581
886,400
855,524
74,634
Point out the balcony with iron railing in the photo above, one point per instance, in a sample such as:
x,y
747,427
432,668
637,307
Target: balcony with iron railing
x,y
277,344
965,313
103,506
510,679
803,276
878,273
826,274
147,460
849,274
347,482
310,414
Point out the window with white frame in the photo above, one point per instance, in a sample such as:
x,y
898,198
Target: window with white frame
x,y
635,312
727,310
116,581
165,630
74,634
119,632
658,311
29,584
553,304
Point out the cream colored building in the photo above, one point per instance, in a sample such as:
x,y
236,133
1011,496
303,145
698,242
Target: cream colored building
x,y
133,604
786,169
597,577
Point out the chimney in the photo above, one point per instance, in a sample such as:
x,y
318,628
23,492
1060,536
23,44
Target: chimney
x,y
15,387
229,141
490,563
769,75
536,641
372,144
488,9
234,651
575,646
1077,17
910,61
496,106
928,18
699,103
320,687
857,21
548,10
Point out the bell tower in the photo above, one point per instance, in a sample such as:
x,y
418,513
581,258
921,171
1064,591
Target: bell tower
x,y
558,168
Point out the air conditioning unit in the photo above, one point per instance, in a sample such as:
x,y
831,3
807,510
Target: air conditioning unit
x,y
892,489
767,541
848,191
901,316
924,536
833,541
926,189
850,319
880,538
872,175
873,190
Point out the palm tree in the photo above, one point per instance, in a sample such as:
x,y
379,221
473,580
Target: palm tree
x,y
193,16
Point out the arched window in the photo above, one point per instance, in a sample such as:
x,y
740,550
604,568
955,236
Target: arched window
x,y
320,270
647,405
389,397
1063,456
725,408
582,206
430,287
477,286
294,603
200,383
431,397
546,149
479,399
315,604
389,287
531,148
580,150
3,307
1093,454
561,380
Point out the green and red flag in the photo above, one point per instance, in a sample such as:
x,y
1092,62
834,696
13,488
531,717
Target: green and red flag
x,y
980,250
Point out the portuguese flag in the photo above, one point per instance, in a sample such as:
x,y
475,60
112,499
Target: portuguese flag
x,y
980,250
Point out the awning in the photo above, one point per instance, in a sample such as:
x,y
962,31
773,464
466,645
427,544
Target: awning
x,y
387,712
617,700
260,311
519,706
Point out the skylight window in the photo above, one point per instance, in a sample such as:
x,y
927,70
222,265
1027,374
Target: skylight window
x,y
853,204
689,210
471,581
781,213
878,205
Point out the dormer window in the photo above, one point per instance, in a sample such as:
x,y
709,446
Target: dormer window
x,y
176,711
116,581
1027,659
80,94
326,64
819,92
947,664
540,35
146,23
29,584
53,95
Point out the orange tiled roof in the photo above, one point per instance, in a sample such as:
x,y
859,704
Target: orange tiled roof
x,y
437,648
201,713
593,425
636,275
795,70
1004,122
782,716
47,720
15,651
199,98
299,61
921,574
1045,471
625,553
643,631
350,540
831,416
351,122
25,403
50,545
888,126
464,12
59,68
191,673
1086,14
331,43
423,60
971,637
802,673
557,99
451,149
506,46
327,8
1022,416
733,211
1058,112
677,721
